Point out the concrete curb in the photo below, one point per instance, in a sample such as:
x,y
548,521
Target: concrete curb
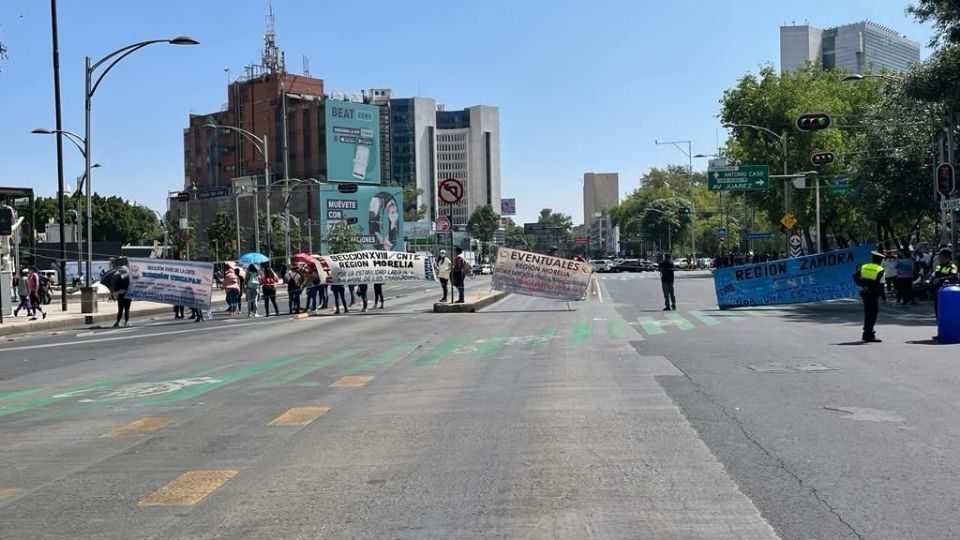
x,y
77,321
469,307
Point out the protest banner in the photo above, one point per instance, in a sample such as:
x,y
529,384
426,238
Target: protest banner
x,y
532,274
168,281
374,267
814,278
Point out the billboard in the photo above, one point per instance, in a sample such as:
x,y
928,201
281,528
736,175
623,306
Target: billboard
x,y
353,142
375,212
508,207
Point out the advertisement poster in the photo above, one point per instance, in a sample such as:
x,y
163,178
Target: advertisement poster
x,y
75,270
375,213
532,274
353,142
375,267
508,207
167,281
814,278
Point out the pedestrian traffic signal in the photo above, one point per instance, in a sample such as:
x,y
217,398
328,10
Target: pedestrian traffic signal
x,y
813,122
945,179
822,158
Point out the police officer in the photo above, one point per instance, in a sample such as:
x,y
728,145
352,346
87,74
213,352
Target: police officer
x,y
944,271
869,277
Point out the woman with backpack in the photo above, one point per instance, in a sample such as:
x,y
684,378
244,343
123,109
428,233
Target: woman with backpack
x,y
252,288
269,284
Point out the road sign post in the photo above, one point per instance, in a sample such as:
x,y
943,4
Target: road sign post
x,y
742,178
450,191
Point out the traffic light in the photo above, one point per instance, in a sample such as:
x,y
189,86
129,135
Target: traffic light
x,y
821,158
813,122
945,179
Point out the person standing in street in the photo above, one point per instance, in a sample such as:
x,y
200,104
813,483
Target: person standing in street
x,y
339,297
869,277
294,281
458,274
906,270
178,312
443,272
944,272
231,286
378,294
362,293
121,284
890,275
24,293
33,292
269,285
252,289
667,269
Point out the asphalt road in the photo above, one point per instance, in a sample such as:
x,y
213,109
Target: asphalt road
x,y
830,438
533,419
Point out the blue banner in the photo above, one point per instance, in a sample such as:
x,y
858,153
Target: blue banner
x,y
814,278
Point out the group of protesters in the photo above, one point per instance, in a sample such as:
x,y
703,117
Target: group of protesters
x,y
255,283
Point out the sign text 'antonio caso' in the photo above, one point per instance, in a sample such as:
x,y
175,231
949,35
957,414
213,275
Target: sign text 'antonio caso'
x,y
815,278
532,274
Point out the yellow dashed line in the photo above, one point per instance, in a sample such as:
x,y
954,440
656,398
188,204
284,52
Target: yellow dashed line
x,y
299,416
140,427
189,489
7,492
352,381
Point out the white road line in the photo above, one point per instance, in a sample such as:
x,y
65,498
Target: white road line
x,y
118,338
596,284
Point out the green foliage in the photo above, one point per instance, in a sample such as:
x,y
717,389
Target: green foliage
x,y
222,236
483,223
343,238
516,237
114,219
556,219
945,15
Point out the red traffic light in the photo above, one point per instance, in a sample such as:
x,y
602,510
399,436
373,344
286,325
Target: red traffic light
x,y
945,179
813,122
822,158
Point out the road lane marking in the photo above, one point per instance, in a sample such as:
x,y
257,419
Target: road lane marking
x,y
704,318
140,427
582,333
650,326
223,380
280,379
352,381
299,416
17,393
120,338
596,289
41,401
617,328
382,358
442,350
545,336
677,320
7,492
491,346
189,488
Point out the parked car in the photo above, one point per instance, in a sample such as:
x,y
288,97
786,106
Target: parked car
x,y
629,265
602,265
485,269
648,266
704,263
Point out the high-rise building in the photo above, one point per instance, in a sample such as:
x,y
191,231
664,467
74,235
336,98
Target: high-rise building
x,y
601,192
468,149
862,47
413,123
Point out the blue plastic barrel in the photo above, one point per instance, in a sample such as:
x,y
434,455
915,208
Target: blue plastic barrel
x,y
948,307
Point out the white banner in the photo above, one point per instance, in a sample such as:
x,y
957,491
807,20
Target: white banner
x,y
168,281
374,267
532,274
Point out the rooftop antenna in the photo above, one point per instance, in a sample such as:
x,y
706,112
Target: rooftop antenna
x,y
272,59
306,66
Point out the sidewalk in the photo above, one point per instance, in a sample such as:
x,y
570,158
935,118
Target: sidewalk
x,y
106,312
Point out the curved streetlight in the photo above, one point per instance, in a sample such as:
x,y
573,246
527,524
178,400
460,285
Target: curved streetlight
x,y
90,87
71,136
260,143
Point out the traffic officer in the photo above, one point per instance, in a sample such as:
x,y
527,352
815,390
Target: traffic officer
x,y
943,272
869,277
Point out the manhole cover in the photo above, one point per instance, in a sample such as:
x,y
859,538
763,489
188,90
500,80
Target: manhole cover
x,y
782,368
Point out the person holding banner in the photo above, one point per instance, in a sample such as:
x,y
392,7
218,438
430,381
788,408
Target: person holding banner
x,y
443,272
362,293
459,274
869,277
378,294
339,296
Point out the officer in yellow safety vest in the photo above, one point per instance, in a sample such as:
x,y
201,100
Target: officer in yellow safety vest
x,y
943,272
869,277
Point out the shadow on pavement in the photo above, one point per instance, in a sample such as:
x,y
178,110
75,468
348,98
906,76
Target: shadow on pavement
x,y
851,313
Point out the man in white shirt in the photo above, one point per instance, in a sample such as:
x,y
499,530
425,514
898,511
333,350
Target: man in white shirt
x,y
443,272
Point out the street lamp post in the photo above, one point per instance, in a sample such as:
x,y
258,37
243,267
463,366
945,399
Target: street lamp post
x,y
261,145
693,203
90,87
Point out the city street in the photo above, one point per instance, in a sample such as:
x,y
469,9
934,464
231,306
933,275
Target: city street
x,y
610,419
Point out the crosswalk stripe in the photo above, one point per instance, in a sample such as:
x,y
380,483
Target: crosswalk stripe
x,y
582,333
287,377
378,360
545,336
679,321
650,326
491,346
704,318
616,328
442,350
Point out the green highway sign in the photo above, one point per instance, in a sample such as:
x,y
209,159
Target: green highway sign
x,y
840,186
742,178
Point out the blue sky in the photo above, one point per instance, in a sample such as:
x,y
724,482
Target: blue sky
x,y
581,86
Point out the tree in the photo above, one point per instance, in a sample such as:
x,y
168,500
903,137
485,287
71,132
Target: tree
x,y
114,219
343,238
557,219
516,237
411,210
945,14
222,237
483,225
663,218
